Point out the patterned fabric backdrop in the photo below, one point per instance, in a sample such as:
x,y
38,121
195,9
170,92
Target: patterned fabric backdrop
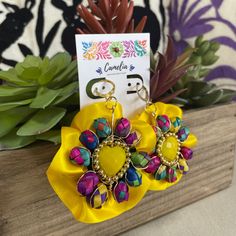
x,y
42,27
216,19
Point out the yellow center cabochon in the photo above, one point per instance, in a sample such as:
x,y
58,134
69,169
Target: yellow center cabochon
x,y
169,148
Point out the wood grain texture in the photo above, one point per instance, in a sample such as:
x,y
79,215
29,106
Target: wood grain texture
x,y
28,205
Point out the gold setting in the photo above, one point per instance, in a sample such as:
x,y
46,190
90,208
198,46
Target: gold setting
x,y
164,161
111,142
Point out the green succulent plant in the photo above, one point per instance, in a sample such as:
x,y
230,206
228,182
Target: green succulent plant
x,y
37,97
198,92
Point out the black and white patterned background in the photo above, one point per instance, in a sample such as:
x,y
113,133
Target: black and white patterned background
x,y
43,28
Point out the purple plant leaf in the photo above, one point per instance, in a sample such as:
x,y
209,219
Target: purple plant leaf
x,y
216,3
196,30
190,10
223,71
226,41
197,15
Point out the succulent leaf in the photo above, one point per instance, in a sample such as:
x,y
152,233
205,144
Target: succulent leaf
x,y
53,136
30,73
183,58
209,58
199,88
109,17
204,72
199,92
60,61
68,75
11,77
37,95
44,97
203,48
47,76
66,92
42,121
9,105
215,46
6,91
13,141
20,97
208,99
227,95
31,61
198,41
11,118
168,71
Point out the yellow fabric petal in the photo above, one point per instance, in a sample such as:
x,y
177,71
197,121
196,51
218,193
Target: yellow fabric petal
x,y
85,117
148,137
173,111
191,141
70,137
159,185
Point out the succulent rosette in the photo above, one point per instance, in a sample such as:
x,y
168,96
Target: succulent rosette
x,y
97,170
169,160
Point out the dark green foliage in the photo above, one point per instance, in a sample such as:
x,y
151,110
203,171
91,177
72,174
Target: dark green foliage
x,y
198,92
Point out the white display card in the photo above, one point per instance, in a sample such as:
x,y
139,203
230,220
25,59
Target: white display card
x,y
122,58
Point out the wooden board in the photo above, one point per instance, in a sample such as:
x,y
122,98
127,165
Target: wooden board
x,y
28,205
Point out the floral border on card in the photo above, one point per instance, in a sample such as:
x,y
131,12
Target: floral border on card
x,y
105,50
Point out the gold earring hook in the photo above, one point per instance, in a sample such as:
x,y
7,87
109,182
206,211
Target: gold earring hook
x,y
145,98
105,95
111,101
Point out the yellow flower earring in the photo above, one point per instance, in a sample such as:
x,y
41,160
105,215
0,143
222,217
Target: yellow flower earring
x,y
97,170
169,160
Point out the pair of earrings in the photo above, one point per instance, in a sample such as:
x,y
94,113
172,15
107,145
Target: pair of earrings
x,y
109,162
